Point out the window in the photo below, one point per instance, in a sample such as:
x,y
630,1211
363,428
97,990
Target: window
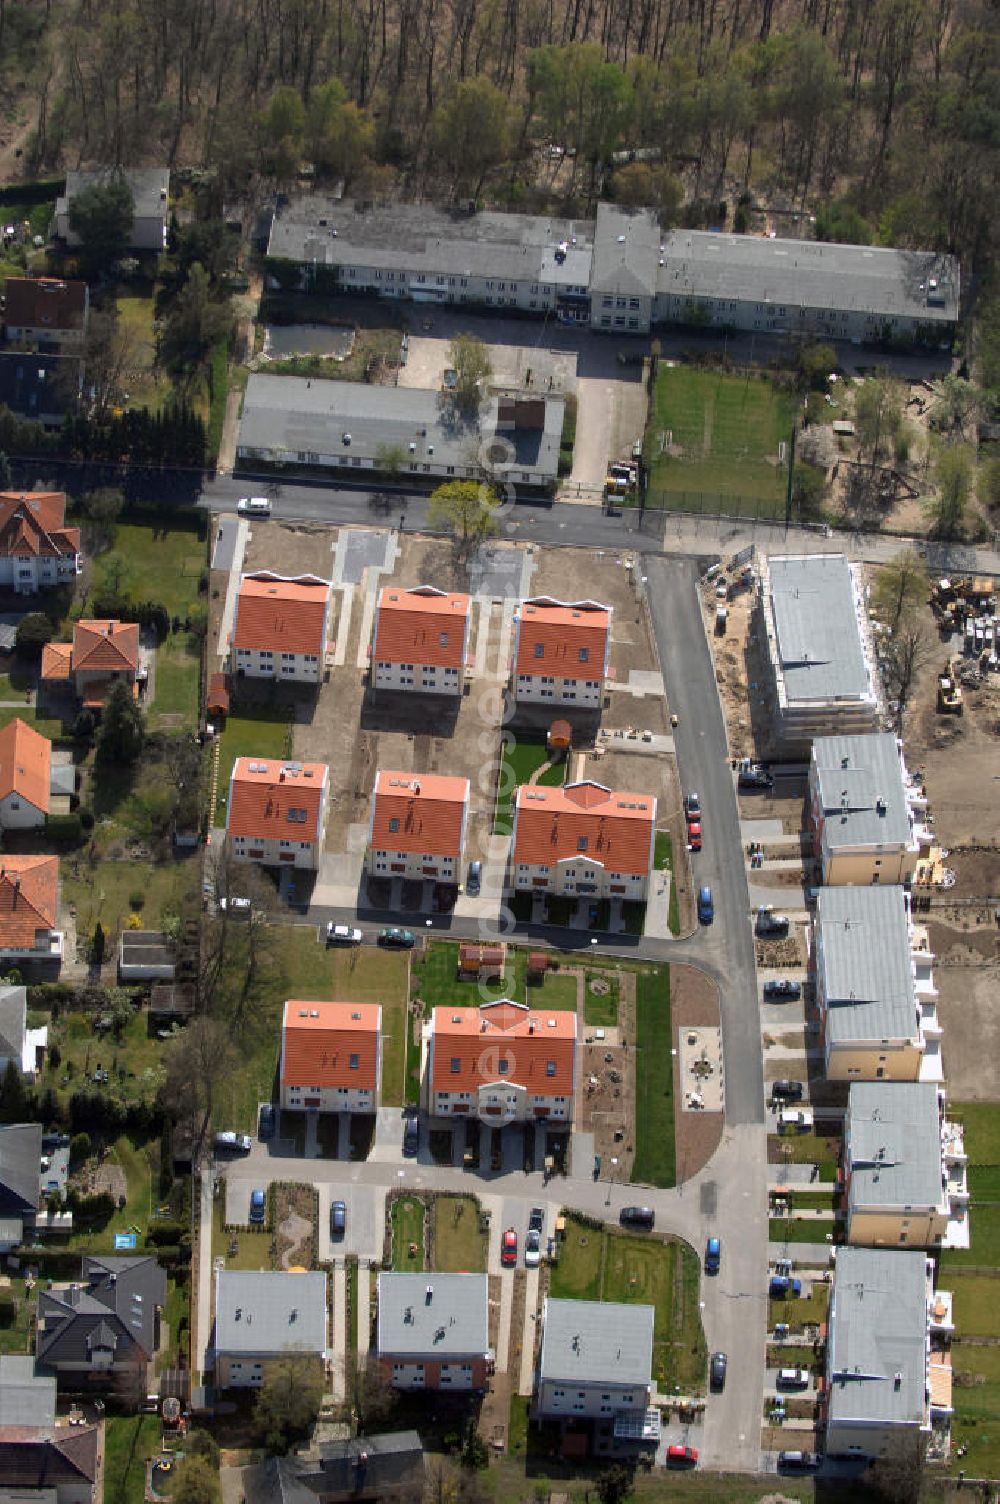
x,y
503,1067
355,1062
539,650
394,825
456,1065
584,655
581,844
550,1067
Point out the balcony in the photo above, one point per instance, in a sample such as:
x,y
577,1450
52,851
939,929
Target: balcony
x,y
940,1314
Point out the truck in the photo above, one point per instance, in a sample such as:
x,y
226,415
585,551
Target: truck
x,y
768,923
721,618
784,1287
795,1120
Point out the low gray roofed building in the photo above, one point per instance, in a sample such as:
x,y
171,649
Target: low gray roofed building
x,y
877,1349
26,1397
626,250
862,807
264,1315
442,1314
20,1168
105,1323
596,1342
350,425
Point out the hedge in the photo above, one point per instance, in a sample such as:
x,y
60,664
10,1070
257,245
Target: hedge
x,y
32,193
66,829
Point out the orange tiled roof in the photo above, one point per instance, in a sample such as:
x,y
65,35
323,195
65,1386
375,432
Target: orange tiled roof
x,y
551,824
28,896
422,625
563,630
57,660
427,809
45,302
320,1038
287,615
482,1039
109,644
25,764
263,792
33,522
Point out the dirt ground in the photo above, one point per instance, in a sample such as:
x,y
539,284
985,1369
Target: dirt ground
x,y
607,1074
694,1001
967,976
571,574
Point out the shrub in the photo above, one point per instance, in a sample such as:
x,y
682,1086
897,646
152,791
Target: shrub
x,y
67,830
79,1149
137,899
165,1230
86,818
33,632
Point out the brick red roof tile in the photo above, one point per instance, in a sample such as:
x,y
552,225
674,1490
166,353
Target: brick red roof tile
x,y
562,631
283,614
34,522
527,1039
45,302
422,625
551,824
263,791
28,897
317,1050
25,764
108,644
427,809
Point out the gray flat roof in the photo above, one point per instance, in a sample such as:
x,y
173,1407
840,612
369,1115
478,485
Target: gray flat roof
x,y
864,956
423,240
594,1341
297,415
148,185
26,1398
452,1320
270,1311
878,1329
861,790
816,626
626,248
810,274
894,1137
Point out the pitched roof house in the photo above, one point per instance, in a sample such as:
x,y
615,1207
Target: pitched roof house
x,y
101,653
48,1464
37,549
420,640
46,312
582,839
281,626
150,189
29,894
433,1330
331,1056
562,651
502,1062
417,826
277,811
367,1467
25,776
20,1179
18,1043
105,1323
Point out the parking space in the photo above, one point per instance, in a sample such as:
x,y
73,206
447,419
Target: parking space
x,y
364,1221
237,1192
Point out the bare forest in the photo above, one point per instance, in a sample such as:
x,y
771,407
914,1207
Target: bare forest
x,y
882,114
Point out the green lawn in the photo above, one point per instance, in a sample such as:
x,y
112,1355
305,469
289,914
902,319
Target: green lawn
x,y
141,1166
265,734
17,1334
982,1130
155,564
147,387
129,1441
175,699
600,1009
977,1302
654,1108
802,1230
557,992
727,429
982,1145
801,1149
976,1400
104,892
252,1245
302,968
136,1062
407,1232
807,1310
53,729
521,756
435,980
459,1243
601,1264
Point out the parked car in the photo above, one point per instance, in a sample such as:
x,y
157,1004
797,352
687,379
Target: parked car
x,y
783,1286
681,1456
338,1218
792,1378
238,906
694,835
717,1371
508,1247
254,506
754,778
536,1222
343,934
268,1120
770,924
238,1143
399,939
692,806
713,1256
474,879
637,1216
795,1120
411,1135
798,1462
706,906
790,1091
258,1206
783,990
533,1248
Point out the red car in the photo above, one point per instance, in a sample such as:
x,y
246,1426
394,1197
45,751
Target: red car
x,y
694,835
508,1247
678,1456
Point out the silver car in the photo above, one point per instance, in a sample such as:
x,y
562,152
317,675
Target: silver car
x,y
533,1248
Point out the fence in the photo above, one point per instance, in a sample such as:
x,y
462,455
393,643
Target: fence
x,y
711,504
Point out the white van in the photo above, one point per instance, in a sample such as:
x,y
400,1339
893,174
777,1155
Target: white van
x,y
254,506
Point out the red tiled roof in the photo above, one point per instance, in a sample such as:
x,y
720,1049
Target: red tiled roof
x,y
551,824
45,302
33,522
217,697
28,896
319,1040
481,1038
25,764
422,625
57,660
427,810
286,615
562,631
110,645
263,792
